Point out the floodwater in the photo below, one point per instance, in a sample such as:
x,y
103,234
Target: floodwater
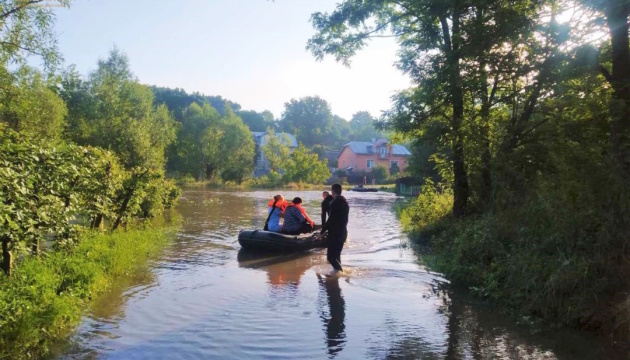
x,y
207,299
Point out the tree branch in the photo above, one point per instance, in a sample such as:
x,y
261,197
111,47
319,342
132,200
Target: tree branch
x,y
23,4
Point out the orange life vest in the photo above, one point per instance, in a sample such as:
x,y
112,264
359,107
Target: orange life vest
x,y
280,204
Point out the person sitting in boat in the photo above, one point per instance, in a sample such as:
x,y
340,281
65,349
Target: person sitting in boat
x,y
277,205
296,221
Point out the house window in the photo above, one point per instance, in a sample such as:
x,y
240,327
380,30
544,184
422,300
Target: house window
x,y
382,151
393,162
370,164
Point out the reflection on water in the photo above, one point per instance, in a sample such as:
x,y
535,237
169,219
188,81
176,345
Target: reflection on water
x,y
208,299
334,325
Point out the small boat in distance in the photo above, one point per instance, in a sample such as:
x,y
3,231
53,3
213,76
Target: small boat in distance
x,y
360,188
273,241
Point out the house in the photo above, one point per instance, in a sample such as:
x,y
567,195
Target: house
x,y
261,166
363,156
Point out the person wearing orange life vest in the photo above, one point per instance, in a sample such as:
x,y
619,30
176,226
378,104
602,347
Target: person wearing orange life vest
x,y
296,221
277,205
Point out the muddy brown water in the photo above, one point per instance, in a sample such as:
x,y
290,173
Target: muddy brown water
x,y
207,299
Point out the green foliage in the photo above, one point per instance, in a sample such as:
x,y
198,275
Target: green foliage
x,y
42,302
309,119
256,121
394,169
113,111
31,108
177,100
276,151
26,29
305,167
380,173
428,209
51,192
520,118
236,149
363,127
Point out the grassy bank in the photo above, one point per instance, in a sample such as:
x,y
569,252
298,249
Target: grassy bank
x,y
546,261
43,300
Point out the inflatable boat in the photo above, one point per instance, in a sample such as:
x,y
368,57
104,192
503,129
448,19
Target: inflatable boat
x,y
364,189
272,241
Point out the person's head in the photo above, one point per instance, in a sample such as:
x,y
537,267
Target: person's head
x,y
277,198
297,200
325,194
336,190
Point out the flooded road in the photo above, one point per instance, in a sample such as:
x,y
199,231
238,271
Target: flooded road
x,y
206,299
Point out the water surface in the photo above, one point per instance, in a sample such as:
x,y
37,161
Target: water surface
x,y
207,299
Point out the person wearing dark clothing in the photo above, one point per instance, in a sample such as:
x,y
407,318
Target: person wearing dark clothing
x,y
337,227
326,205
296,221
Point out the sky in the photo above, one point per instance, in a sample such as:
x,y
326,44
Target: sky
x,y
248,51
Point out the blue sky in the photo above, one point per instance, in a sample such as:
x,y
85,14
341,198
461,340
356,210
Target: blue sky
x,y
249,51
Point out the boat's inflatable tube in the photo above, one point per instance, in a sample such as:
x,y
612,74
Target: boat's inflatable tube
x,y
272,241
364,189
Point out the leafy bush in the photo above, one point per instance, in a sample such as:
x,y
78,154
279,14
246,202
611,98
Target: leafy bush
x,y
305,167
380,173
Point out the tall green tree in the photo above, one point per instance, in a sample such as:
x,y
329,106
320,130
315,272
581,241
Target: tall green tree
x,y
276,151
363,127
256,121
309,119
439,42
118,114
616,14
236,148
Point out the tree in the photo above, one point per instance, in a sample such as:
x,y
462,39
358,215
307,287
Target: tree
x,y
119,114
276,151
26,28
257,121
438,42
31,108
196,150
380,173
305,167
363,127
616,14
309,119
177,100
236,148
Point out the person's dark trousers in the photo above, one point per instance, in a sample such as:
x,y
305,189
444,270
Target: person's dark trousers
x,y
335,245
306,228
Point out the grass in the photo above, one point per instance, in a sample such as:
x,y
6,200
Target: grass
x,y
42,301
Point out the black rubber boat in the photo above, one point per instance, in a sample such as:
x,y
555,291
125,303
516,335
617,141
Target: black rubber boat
x,y
364,189
272,241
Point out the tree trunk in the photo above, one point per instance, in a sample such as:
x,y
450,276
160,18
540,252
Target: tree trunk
x,y
7,259
617,13
96,223
123,208
460,189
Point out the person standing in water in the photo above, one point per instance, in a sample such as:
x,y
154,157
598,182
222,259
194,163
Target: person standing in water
x,y
337,227
326,206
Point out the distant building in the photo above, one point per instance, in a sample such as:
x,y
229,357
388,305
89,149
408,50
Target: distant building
x,y
261,166
363,156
